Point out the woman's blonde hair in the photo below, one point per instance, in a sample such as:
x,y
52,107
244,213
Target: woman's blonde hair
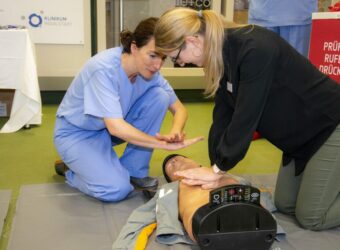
x,y
178,23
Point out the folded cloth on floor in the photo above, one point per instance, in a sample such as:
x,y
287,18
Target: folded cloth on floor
x,y
163,209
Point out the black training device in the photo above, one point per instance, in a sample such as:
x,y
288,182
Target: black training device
x,y
234,220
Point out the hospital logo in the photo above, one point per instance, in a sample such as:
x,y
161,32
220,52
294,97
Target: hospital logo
x,y
38,20
35,20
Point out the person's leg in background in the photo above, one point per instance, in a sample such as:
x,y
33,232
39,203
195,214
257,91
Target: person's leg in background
x,y
298,36
147,114
318,202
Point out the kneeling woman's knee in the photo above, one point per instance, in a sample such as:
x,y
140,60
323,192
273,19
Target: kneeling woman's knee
x,y
309,220
115,192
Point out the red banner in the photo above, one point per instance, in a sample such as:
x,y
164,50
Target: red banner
x,y
324,49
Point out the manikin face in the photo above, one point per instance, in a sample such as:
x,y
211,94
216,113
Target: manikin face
x,y
178,163
148,62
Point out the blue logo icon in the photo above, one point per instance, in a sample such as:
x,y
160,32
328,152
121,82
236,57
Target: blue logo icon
x,y
35,20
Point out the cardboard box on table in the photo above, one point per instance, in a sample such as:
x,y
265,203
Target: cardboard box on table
x,y
6,100
324,49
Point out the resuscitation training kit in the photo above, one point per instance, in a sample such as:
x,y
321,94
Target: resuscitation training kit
x,y
234,220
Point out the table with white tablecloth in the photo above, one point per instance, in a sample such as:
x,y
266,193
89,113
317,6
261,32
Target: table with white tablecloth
x,y
18,71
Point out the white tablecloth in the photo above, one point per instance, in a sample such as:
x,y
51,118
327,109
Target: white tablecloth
x,y
18,71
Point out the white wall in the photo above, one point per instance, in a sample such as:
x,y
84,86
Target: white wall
x,y
57,64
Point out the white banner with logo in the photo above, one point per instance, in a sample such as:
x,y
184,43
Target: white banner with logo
x,y
49,21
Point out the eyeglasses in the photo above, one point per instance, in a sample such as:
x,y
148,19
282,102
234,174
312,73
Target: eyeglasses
x,y
174,59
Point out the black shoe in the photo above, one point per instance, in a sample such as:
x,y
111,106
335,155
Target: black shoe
x,y
60,167
144,183
149,193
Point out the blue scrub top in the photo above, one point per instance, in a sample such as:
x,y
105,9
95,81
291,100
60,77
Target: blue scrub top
x,y
103,90
272,13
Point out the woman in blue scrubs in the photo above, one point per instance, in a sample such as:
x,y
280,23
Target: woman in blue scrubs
x,y
118,96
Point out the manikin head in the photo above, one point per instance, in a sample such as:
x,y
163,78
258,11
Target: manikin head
x,y
175,162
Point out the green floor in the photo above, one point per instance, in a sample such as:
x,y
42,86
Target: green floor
x,y
27,156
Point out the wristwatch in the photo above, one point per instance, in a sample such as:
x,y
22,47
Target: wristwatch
x,y
216,170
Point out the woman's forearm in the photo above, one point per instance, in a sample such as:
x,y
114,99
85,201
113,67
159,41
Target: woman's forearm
x,y
128,133
180,117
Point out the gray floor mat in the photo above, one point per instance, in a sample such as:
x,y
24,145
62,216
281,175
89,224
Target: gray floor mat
x,y
300,239
5,196
54,216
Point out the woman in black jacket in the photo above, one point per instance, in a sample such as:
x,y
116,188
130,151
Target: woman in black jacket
x,y
261,83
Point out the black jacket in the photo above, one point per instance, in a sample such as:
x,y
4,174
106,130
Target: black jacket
x,y
269,87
